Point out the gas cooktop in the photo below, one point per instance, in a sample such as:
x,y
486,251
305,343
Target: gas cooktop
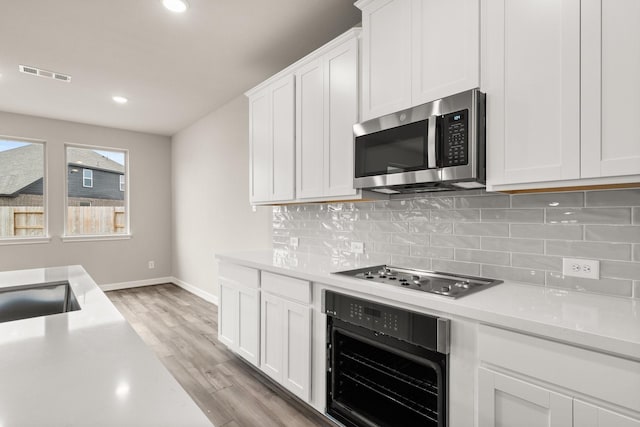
x,y
446,284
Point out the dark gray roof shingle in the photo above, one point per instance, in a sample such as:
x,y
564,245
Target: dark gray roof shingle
x,y
22,166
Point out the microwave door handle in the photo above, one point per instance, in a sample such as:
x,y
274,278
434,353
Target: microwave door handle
x,y
431,142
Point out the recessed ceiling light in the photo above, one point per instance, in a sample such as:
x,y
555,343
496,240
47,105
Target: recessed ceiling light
x,y
177,6
120,99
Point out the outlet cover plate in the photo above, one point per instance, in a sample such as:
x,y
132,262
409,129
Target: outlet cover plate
x,y
357,247
584,268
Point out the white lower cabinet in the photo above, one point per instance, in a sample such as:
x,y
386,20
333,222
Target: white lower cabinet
x,y
238,311
506,401
588,415
285,335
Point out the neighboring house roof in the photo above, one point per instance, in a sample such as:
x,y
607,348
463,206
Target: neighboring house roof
x,y
92,160
22,166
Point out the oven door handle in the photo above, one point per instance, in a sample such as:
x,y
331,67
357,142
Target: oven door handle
x,y
431,142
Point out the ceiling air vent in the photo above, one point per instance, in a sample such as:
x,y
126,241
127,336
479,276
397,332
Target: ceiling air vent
x,y
44,73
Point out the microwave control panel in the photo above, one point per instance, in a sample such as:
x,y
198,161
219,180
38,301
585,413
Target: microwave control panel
x,y
455,138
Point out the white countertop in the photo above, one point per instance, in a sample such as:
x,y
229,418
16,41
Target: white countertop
x,y
84,368
605,323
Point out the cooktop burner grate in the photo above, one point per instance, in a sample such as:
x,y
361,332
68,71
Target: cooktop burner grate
x,y
446,284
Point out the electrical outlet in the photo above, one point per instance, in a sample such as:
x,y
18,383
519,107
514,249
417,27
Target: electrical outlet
x,y
357,247
152,265
585,268
294,241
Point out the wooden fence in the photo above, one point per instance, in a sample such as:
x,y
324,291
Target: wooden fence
x,y
95,220
25,221
28,221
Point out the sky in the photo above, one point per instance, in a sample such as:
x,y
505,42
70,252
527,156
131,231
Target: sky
x,y
116,156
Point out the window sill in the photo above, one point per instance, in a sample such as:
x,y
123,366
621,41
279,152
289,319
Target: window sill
x,y
95,238
24,240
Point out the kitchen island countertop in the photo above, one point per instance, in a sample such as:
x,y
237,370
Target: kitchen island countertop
x,y
85,367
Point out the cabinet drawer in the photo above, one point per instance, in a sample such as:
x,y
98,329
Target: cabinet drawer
x,y
238,274
287,287
600,375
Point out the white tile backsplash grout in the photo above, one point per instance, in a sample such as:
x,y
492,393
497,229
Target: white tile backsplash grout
x,y
461,222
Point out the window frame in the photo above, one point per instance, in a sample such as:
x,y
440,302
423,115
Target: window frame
x,y
45,238
90,178
66,237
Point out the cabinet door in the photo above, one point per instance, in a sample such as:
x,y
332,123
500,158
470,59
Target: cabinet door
x,y
283,125
610,88
446,48
587,415
504,401
341,113
260,145
271,335
386,57
531,74
310,130
296,373
228,315
249,324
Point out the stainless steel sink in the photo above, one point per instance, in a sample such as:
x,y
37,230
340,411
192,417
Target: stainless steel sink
x,y
23,302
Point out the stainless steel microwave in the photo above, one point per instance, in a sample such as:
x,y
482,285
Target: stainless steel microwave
x,y
432,147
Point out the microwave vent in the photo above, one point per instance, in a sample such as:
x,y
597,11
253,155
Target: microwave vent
x,y
34,71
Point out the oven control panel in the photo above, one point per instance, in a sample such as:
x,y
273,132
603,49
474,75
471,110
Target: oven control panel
x,y
455,138
384,319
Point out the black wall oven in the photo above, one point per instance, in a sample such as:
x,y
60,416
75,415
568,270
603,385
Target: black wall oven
x,y
385,366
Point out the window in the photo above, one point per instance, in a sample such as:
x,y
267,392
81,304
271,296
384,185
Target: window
x,y
87,178
22,189
96,192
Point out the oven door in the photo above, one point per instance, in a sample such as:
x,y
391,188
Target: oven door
x,y
396,149
377,380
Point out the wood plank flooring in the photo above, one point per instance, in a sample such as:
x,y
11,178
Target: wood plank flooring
x,y
181,328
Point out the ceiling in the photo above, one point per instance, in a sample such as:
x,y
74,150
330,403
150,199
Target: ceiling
x,y
173,68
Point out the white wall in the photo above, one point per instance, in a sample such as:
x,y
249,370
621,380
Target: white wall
x,y
210,187
107,262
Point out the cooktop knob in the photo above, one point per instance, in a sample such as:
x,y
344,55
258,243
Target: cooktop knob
x,y
415,277
445,289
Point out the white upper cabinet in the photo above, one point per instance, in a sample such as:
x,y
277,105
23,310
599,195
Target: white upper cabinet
x,y
416,51
326,110
386,56
610,88
260,144
309,129
562,87
301,127
446,48
341,113
272,141
531,75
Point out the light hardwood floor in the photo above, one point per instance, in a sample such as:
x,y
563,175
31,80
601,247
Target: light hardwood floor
x,y
181,328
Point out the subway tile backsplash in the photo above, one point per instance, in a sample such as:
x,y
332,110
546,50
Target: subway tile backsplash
x,y
519,237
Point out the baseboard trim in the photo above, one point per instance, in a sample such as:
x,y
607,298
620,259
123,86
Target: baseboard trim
x,y
136,283
196,291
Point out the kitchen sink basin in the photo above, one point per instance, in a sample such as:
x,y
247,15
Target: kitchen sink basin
x,y
43,299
